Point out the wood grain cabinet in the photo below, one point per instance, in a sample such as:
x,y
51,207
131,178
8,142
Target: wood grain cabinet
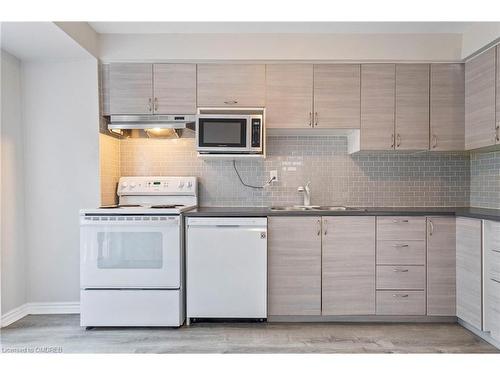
x,y
441,265
377,106
469,266
231,85
289,96
337,96
412,107
447,107
348,266
492,278
480,127
294,266
152,88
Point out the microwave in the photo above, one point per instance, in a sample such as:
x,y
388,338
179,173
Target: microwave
x,y
229,133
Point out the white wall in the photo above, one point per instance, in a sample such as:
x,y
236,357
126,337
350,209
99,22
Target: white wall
x,y
359,47
479,35
62,171
13,255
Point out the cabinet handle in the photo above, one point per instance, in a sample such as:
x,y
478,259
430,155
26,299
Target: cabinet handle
x,y
434,141
149,104
310,119
400,270
431,225
497,131
326,227
400,221
319,226
400,295
315,118
231,102
496,251
156,104
392,140
495,280
398,141
400,245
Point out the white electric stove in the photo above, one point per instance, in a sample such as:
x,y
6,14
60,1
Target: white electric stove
x,y
131,254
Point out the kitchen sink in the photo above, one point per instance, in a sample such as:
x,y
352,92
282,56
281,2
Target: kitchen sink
x,y
314,208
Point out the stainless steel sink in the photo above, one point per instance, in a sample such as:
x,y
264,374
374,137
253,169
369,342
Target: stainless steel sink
x,y
313,208
332,208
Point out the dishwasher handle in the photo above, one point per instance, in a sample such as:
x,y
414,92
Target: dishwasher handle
x,y
227,222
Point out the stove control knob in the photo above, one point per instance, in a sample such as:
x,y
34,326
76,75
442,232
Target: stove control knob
x,y
132,185
181,184
189,185
124,185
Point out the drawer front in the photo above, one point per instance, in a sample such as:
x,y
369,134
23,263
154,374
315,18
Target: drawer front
x,y
492,322
401,252
401,228
400,302
400,277
492,247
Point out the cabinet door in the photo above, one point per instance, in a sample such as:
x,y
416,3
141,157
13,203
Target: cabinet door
x,y
174,88
447,107
231,85
441,266
337,96
497,127
480,100
469,288
348,267
294,266
412,106
130,89
492,278
377,106
289,95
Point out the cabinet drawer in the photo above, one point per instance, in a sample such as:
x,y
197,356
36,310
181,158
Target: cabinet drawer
x,y
401,228
400,302
401,252
400,277
492,322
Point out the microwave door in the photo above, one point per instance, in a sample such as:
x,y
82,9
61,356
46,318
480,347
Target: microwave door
x,y
223,134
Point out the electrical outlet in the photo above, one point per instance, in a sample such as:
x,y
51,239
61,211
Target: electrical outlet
x,y
274,174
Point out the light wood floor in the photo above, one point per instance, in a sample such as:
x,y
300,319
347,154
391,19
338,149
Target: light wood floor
x,y
63,333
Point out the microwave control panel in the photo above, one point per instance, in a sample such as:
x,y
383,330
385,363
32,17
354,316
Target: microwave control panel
x,y
256,132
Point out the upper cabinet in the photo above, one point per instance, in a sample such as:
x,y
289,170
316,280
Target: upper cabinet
x,y
231,85
289,96
377,106
412,107
130,89
337,96
152,89
447,129
480,127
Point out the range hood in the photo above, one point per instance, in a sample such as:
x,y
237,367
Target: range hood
x,y
146,122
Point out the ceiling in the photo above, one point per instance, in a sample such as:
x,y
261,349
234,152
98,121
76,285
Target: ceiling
x,y
277,27
30,41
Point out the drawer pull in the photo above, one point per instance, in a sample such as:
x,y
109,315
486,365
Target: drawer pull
x,y
495,280
401,245
400,221
230,102
400,295
399,270
496,251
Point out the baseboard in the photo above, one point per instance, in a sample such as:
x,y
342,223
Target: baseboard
x,y
361,319
39,308
484,335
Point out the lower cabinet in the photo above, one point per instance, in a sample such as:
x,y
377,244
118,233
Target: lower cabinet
x,y
492,278
441,266
469,278
348,266
294,265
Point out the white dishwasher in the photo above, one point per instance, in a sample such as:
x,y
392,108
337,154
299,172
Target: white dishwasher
x,y
226,267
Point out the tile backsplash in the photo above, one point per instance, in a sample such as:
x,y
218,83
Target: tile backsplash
x,y
365,179
485,179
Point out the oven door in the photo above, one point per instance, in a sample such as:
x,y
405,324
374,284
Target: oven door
x,y
223,133
130,252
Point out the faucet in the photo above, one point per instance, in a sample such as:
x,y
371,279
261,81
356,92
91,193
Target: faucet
x,y
307,193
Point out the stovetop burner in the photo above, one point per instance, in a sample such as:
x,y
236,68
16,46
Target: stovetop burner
x,y
167,206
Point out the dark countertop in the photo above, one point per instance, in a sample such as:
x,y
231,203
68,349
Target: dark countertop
x,y
479,213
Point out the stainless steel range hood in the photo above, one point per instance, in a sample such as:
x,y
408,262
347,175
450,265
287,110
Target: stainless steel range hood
x,y
145,122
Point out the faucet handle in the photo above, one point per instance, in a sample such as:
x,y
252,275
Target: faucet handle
x,y
308,185
301,189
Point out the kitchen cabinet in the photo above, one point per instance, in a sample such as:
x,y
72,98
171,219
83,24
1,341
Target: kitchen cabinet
x,y
348,266
394,302
447,107
337,96
480,127
441,266
130,89
377,106
152,89
497,94
412,107
492,278
231,85
469,266
294,266
174,89
289,96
